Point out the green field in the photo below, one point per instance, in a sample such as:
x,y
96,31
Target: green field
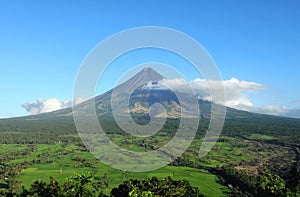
x,y
61,161
261,137
247,153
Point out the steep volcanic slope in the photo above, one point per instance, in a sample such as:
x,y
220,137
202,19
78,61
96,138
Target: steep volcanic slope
x,y
138,93
145,75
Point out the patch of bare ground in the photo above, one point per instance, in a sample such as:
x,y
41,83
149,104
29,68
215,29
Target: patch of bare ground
x,y
279,159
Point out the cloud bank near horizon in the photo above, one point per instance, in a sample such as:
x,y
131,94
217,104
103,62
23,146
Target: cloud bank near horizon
x,y
236,94
48,105
278,110
235,90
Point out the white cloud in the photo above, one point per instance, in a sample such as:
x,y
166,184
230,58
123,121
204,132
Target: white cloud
x,y
293,112
234,88
48,105
271,109
78,100
278,110
236,96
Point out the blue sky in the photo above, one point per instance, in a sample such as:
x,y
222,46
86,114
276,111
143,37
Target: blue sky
x,y
42,44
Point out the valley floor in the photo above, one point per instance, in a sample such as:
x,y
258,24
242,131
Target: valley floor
x,y
39,162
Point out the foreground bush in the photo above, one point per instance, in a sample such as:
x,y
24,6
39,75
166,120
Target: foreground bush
x,y
155,187
88,185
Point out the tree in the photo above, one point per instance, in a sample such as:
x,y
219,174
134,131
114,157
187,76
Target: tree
x,y
74,186
79,185
155,187
41,188
271,184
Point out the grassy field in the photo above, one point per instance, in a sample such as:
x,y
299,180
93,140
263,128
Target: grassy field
x,y
64,160
261,137
61,161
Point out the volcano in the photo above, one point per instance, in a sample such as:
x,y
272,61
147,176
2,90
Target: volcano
x,y
138,94
145,91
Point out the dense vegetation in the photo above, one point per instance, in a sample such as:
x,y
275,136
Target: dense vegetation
x,y
28,163
90,185
256,155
